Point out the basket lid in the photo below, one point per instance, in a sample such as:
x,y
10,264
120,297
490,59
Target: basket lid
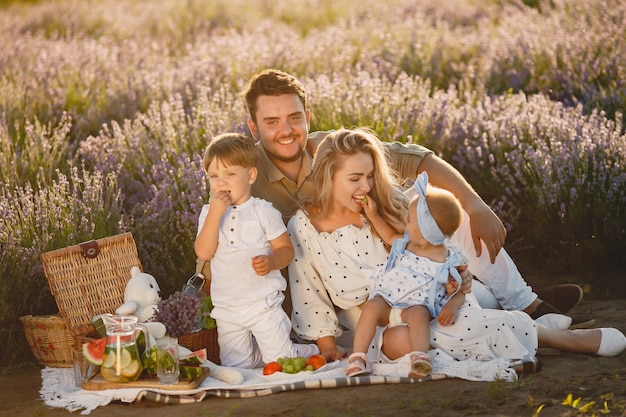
x,y
89,279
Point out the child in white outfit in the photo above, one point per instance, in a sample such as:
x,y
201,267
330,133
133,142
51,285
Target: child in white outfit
x,y
247,243
419,281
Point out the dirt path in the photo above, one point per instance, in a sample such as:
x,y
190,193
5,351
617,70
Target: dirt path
x,y
586,376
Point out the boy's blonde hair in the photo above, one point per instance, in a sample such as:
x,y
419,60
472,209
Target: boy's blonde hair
x,y
232,149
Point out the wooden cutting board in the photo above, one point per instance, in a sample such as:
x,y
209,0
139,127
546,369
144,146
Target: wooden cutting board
x,y
97,382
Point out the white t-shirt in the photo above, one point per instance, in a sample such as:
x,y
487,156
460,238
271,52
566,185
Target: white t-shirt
x,y
245,231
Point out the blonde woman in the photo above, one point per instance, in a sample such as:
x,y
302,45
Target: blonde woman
x,y
337,248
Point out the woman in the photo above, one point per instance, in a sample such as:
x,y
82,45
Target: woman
x,y
337,248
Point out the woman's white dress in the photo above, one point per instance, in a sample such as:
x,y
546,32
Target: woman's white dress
x,y
329,275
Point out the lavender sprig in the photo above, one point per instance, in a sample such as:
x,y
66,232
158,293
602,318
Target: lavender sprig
x,y
179,313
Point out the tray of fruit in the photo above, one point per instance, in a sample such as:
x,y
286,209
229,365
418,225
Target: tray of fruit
x,y
192,373
97,382
296,368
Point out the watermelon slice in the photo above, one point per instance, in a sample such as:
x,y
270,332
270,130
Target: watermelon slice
x,y
190,364
190,372
149,362
94,351
195,358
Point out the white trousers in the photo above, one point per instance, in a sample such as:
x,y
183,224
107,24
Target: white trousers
x,y
252,335
501,285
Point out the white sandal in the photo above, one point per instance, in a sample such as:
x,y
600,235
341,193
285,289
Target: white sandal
x,y
358,365
420,365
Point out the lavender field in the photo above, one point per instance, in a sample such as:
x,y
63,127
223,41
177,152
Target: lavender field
x,y
106,107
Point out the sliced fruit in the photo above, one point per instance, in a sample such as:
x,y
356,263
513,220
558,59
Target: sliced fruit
x,y
94,351
141,342
149,361
166,359
111,358
109,361
126,358
132,369
110,375
197,357
190,372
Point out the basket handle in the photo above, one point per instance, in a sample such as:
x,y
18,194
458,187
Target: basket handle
x,y
90,249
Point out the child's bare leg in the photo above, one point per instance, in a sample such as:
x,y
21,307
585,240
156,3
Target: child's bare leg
x,y
375,312
418,319
396,342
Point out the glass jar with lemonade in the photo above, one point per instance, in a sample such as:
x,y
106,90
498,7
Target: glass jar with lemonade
x,y
121,361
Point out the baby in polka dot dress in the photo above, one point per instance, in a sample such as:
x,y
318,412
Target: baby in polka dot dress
x,y
420,280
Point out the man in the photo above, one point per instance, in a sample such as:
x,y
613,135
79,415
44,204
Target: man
x,y
279,121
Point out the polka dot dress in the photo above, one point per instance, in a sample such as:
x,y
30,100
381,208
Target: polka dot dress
x,y
483,334
329,274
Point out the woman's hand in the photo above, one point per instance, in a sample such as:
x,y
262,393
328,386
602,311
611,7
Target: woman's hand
x,y
328,348
332,355
451,286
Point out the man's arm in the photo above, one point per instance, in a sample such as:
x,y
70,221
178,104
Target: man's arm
x,y
484,223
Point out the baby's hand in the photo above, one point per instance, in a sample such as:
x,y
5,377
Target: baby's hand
x,y
369,206
467,277
446,316
451,285
261,265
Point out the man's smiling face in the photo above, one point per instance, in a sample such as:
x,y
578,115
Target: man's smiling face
x,y
282,126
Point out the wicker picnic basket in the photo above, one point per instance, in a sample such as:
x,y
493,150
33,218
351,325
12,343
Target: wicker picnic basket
x,y
89,279
202,339
49,339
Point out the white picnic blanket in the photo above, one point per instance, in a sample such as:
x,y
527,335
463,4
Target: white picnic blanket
x,y
58,388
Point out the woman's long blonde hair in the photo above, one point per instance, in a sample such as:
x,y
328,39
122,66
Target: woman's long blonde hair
x,y
386,191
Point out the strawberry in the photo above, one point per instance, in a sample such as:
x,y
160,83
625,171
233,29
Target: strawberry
x,y
272,367
316,361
